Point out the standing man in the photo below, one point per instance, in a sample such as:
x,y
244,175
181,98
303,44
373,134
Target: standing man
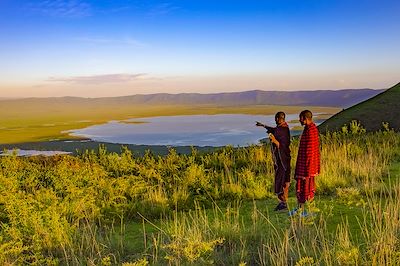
x,y
280,142
308,162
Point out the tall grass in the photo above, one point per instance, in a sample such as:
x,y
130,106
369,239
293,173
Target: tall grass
x,y
74,210
356,159
223,237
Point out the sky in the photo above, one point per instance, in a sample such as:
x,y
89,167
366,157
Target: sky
x,y
114,47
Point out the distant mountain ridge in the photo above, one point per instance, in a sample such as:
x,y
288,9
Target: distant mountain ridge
x,y
329,98
384,107
340,98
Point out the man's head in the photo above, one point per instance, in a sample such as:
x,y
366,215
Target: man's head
x,y
305,117
280,117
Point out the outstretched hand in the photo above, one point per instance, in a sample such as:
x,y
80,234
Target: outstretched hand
x,y
259,124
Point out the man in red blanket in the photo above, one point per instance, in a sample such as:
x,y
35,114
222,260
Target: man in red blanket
x,y
308,162
280,146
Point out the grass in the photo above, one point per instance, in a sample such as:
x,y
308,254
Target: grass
x,y
102,208
249,232
43,120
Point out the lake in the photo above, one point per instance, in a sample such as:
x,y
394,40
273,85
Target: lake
x,y
184,130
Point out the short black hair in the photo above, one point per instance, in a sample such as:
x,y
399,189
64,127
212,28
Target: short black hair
x,y
306,114
280,115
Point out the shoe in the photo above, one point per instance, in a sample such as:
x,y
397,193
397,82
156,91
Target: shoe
x,y
307,214
293,212
281,206
304,214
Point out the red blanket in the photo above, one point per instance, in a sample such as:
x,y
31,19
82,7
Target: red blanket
x,y
308,158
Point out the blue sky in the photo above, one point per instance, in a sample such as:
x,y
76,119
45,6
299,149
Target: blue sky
x,y
106,48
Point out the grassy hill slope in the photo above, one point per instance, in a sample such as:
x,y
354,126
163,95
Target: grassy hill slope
x,y
384,107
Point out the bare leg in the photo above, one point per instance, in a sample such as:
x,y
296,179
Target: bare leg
x,y
286,192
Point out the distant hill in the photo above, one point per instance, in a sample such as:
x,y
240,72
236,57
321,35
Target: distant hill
x,y
384,107
329,98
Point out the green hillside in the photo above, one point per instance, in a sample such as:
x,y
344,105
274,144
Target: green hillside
x,y
384,107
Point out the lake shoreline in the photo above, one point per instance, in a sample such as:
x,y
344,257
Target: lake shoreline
x,y
43,123
76,147
190,130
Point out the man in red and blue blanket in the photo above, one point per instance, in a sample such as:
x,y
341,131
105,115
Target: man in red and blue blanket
x,y
308,162
280,142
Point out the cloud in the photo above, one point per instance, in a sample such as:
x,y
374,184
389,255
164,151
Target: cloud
x,y
116,9
83,8
162,9
99,79
62,8
125,41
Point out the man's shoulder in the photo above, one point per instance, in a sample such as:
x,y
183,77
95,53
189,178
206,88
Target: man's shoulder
x,y
283,130
314,133
313,127
310,131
